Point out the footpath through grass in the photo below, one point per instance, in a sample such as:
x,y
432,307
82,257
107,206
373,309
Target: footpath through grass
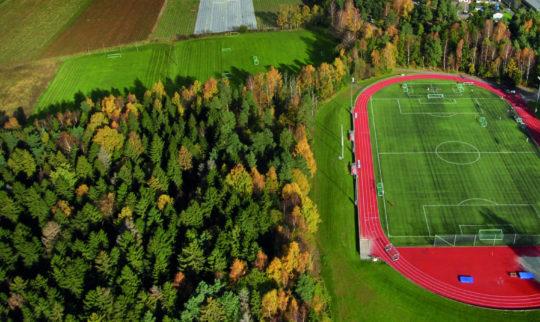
x,y
180,63
366,291
178,18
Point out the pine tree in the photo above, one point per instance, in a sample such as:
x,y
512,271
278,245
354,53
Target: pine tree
x,y
22,161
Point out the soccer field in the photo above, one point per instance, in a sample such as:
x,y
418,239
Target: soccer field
x,y
182,62
455,167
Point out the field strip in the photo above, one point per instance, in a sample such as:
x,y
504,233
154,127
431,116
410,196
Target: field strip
x,y
379,162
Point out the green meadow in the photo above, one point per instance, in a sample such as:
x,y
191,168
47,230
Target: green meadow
x,y
180,63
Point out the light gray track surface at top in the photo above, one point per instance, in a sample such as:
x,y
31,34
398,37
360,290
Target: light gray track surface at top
x,y
224,15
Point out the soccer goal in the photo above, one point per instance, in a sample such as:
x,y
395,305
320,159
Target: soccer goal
x,y
115,55
490,234
405,88
435,96
460,88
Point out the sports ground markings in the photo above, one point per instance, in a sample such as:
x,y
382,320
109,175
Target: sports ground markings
x,y
445,101
438,154
487,225
440,114
380,169
460,204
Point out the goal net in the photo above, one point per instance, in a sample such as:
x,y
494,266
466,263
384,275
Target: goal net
x,y
405,88
435,96
490,234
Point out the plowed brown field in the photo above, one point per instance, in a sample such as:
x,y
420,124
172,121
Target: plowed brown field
x,y
106,23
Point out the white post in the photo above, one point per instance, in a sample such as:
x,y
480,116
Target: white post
x,y
537,96
352,82
342,149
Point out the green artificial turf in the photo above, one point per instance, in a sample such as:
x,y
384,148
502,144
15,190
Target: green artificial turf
x,y
445,174
366,291
182,62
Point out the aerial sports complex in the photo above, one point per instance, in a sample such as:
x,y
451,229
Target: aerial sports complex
x,y
447,176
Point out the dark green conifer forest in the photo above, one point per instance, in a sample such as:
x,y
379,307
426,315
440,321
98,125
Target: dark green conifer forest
x,y
188,206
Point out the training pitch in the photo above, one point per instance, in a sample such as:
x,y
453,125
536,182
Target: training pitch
x,y
455,165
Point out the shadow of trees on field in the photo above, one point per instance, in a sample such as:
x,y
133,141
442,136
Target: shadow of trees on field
x,y
321,47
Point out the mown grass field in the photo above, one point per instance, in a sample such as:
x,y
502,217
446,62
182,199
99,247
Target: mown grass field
x,y
27,27
266,11
178,18
444,173
106,23
366,291
182,62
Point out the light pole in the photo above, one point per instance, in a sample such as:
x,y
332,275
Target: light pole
x,y
352,82
537,96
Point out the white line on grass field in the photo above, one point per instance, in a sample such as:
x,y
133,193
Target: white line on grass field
x,y
379,162
487,225
445,102
427,223
455,98
444,114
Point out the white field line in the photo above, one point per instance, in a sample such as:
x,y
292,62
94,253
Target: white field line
x,y
379,162
486,225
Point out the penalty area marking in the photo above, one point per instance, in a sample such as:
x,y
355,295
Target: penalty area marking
x,y
452,102
437,114
491,204
487,225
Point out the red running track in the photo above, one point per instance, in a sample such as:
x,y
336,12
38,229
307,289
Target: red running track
x,y
437,269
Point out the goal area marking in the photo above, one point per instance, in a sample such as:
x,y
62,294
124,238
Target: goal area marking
x,y
424,207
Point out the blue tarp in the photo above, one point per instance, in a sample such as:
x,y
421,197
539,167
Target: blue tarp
x,y
525,275
466,279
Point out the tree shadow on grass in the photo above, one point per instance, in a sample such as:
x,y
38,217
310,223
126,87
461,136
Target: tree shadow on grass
x,y
268,18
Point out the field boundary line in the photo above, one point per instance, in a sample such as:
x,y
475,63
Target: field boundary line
x,y
379,162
